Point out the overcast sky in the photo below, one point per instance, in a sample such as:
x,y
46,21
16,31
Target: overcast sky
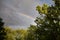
x,y
20,13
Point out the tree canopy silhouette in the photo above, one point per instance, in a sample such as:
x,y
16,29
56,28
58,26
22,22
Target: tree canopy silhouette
x,y
48,23
2,32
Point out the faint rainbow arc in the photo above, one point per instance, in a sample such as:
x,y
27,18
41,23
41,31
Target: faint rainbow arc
x,y
11,7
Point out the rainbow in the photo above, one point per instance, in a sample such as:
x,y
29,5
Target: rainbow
x,y
15,9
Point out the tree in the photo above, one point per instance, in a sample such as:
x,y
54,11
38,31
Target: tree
x,y
48,23
15,34
31,33
2,33
10,34
21,34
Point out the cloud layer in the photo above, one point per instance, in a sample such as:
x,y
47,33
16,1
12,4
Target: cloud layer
x,y
19,12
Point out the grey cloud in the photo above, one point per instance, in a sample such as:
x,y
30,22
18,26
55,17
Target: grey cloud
x,y
11,11
19,12
25,6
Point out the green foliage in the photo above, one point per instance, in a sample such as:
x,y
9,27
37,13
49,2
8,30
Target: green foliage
x,y
42,9
19,34
10,34
2,33
31,33
48,27
57,3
